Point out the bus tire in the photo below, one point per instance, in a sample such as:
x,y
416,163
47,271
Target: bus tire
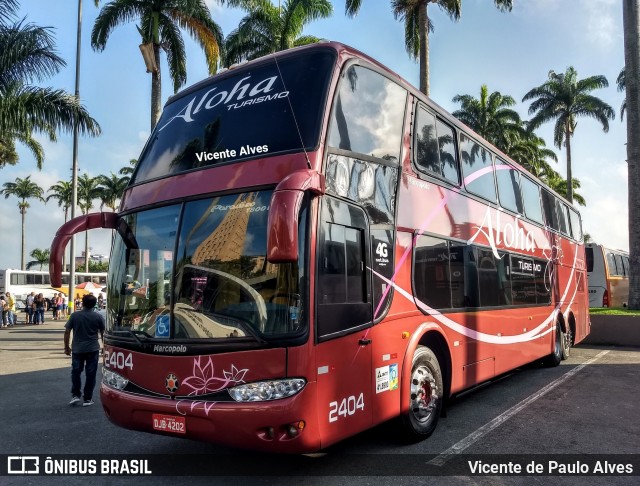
x,y
566,343
554,358
426,396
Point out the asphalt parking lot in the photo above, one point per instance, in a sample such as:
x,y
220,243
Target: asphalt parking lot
x,y
583,411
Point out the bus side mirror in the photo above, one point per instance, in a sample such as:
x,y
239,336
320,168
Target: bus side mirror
x,y
70,228
286,201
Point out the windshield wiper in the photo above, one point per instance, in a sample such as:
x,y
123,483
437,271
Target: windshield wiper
x,y
243,325
136,334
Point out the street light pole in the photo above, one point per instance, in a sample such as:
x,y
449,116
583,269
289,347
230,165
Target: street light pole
x,y
74,170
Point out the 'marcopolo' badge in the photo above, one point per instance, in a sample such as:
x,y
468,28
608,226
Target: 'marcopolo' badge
x,y
172,383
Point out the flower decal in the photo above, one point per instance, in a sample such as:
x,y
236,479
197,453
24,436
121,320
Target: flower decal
x,y
203,380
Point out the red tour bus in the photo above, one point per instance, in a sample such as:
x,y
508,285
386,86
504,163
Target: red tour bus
x,y
310,247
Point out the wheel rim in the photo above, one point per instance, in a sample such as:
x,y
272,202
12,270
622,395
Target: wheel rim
x,y
567,342
558,347
424,394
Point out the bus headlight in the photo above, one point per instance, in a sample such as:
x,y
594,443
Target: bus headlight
x,y
113,380
267,390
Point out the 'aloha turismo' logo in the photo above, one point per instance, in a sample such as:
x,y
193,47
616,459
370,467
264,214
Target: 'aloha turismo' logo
x,y
509,235
233,99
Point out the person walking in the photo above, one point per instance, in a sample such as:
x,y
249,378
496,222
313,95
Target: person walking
x,y
86,325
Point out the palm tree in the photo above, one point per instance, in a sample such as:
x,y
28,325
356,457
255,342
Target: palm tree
x,y
267,28
620,81
631,23
63,192
111,189
160,24
23,189
27,56
127,171
564,98
88,190
417,26
531,152
40,256
491,117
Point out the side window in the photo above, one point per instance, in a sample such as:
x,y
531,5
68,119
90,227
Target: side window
x,y
368,114
611,263
448,152
431,273
343,290
492,279
549,206
508,187
620,265
531,199
477,169
588,253
625,264
465,291
523,281
563,217
576,226
543,285
435,150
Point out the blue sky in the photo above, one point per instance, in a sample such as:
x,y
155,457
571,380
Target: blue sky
x,y
510,52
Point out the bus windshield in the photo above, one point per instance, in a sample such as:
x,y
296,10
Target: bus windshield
x,y
263,109
224,286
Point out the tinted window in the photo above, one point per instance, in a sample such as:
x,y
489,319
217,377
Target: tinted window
x,y
625,264
432,277
464,275
589,256
343,291
576,227
448,153
531,198
492,279
257,111
620,265
509,188
611,263
368,114
434,147
477,168
543,285
523,282
549,206
563,217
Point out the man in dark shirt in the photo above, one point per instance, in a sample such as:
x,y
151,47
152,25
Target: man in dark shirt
x,y
86,324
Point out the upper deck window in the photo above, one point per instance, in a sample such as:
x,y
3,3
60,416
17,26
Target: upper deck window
x,y
477,168
435,150
368,114
509,187
257,111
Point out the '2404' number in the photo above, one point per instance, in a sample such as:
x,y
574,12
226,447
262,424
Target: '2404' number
x,y
348,406
118,360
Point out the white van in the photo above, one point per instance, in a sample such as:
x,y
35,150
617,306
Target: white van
x,y
607,275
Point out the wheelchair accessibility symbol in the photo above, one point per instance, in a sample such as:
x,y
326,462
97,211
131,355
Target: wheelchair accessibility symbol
x,y
162,326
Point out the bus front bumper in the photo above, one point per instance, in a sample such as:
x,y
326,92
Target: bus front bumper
x,y
288,425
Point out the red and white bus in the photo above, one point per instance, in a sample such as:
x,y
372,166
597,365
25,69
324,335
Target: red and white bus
x,y
310,247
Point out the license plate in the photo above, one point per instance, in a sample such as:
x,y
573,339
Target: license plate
x,y
169,423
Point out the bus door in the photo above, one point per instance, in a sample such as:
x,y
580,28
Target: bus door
x,y
343,321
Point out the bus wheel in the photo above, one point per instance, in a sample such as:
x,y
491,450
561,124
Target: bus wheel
x,y
426,393
566,343
558,348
